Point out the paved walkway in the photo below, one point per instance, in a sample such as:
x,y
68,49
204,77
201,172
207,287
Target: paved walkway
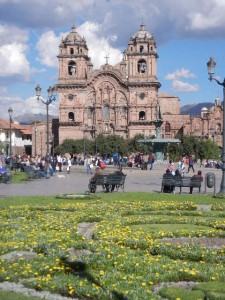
x,y
77,182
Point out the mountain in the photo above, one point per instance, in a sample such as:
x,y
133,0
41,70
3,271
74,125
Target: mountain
x,y
28,119
195,109
191,109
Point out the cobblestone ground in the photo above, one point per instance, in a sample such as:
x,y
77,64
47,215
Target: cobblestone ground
x,y
77,182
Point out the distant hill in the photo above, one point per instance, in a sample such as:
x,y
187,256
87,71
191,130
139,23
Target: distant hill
x,y
195,109
28,119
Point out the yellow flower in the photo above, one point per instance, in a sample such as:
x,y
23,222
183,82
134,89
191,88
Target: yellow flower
x,y
143,284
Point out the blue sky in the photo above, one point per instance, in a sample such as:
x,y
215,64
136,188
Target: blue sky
x,y
187,33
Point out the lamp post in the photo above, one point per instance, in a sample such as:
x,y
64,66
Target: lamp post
x,y
10,111
35,141
211,69
212,131
51,97
41,143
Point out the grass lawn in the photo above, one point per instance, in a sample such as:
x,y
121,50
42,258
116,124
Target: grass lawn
x,y
144,246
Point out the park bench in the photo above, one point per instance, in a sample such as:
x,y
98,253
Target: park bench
x,y
31,173
16,166
5,177
108,181
171,183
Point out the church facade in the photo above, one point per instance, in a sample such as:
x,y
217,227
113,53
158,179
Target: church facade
x,y
120,99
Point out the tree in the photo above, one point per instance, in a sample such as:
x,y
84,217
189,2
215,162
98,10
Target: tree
x,y
2,148
135,147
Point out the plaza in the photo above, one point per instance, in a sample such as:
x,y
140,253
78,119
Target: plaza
x,y
137,180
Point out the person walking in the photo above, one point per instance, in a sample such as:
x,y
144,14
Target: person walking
x,y
151,160
69,164
191,164
89,165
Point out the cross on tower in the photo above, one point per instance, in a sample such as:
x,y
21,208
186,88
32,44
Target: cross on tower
x,y
142,21
106,58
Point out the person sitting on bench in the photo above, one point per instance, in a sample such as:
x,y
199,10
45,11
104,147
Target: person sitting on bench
x,y
117,172
196,176
96,173
168,175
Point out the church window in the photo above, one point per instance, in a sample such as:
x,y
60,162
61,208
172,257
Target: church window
x,y
123,111
71,117
142,95
131,49
89,110
167,127
141,49
141,115
142,66
106,112
71,51
151,48
80,50
72,68
70,97
218,128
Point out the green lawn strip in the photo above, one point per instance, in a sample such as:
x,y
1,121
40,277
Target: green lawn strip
x,y
19,177
126,258
174,228
212,290
174,293
12,296
123,197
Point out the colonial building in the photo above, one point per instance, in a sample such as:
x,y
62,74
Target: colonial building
x,y
208,125
39,137
119,99
21,138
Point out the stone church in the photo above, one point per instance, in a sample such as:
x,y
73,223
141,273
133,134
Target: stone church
x,y
120,99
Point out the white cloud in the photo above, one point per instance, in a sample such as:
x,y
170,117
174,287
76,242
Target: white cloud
x,y
180,73
33,106
211,16
99,46
13,50
47,47
20,106
184,87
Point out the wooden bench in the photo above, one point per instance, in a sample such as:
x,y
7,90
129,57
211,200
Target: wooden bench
x,y
107,182
31,173
5,177
16,166
171,183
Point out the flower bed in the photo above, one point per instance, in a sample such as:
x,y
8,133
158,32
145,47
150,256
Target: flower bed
x,y
132,251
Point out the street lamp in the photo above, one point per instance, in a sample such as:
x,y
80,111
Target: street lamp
x,y
10,111
35,141
211,69
212,131
41,143
51,97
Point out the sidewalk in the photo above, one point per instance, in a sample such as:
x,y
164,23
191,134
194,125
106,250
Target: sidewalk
x,y
77,182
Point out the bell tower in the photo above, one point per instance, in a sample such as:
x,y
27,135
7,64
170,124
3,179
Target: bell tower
x,y
141,56
74,70
74,63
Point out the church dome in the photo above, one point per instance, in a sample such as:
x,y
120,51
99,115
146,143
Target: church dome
x,y
73,38
142,33
204,109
